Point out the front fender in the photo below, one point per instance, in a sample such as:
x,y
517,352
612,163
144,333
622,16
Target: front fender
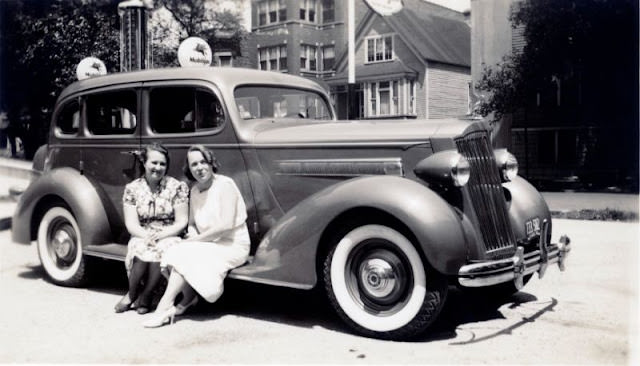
x,y
76,191
526,203
287,254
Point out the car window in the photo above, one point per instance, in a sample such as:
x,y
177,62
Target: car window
x,y
184,110
275,102
68,120
112,113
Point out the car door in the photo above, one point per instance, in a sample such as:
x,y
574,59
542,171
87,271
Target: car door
x,y
109,147
183,113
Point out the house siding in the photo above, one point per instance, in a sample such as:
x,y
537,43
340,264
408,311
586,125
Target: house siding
x,y
448,90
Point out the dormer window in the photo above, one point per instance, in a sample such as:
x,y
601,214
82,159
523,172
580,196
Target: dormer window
x,y
379,48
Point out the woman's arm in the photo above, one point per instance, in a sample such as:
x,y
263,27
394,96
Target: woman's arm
x,y
132,222
181,212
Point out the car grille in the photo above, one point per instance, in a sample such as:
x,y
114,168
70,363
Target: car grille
x,y
487,196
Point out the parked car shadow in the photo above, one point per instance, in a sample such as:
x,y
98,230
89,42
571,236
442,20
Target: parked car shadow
x,y
310,309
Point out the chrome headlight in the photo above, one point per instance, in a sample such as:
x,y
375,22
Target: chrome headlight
x,y
445,167
460,171
507,164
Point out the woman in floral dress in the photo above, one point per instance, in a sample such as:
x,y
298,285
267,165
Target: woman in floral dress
x,y
155,213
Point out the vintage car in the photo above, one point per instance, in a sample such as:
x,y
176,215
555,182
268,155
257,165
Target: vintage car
x,y
383,214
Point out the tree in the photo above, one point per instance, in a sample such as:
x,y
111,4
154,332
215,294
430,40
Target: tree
x,y
584,53
45,42
176,20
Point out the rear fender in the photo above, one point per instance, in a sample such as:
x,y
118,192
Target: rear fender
x,y
287,253
74,190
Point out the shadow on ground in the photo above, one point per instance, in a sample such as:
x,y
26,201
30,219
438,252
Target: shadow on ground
x,y
302,308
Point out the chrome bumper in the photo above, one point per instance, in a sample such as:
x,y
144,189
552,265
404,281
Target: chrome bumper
x,y
515,268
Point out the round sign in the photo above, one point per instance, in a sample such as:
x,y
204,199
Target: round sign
x,y
385,7
90,67
194,51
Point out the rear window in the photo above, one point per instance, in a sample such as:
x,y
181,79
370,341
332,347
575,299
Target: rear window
x,y
112,113
184,110
68,120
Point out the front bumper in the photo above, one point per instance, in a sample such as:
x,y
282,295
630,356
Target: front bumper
x,y
515,268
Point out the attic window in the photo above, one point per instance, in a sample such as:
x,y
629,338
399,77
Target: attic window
x,y
379,48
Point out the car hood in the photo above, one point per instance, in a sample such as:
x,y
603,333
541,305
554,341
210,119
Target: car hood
x,y
309,131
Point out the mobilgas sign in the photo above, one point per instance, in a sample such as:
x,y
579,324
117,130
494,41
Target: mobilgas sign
x,y
385,7
90,67
194,51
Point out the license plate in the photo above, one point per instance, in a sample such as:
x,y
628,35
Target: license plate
x,y
532,227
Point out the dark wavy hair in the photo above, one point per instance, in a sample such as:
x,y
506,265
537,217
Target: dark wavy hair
x,y
144,154
208,157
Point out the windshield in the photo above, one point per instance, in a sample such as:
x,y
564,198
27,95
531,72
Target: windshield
x,y
278,102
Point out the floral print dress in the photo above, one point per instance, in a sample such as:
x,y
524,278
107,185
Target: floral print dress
x,y
155,211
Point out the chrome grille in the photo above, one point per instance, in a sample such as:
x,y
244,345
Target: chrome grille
x,y
487,197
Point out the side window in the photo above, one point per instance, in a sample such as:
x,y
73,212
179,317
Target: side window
x,y
68,120
112,113
184,110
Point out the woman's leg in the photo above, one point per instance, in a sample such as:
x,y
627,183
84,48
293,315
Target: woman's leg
x,y
175,285
188,293
138,269
153,278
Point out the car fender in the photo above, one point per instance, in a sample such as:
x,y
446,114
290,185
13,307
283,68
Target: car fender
x,y
526,203
287,253
76,191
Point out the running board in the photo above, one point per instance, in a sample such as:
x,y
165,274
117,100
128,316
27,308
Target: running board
x,y
113,251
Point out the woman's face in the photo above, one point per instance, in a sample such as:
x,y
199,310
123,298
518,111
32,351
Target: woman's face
x,y
199,167
155,167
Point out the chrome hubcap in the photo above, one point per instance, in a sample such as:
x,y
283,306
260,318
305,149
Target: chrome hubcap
x,y
377,277
62,243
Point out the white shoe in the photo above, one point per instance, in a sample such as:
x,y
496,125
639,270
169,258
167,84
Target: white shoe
x,y
160,317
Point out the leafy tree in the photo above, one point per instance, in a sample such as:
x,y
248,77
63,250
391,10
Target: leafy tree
x,y
589,49
44,43
176,20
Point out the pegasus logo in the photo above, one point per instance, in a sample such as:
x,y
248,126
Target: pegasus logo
x,y
201,49
96,66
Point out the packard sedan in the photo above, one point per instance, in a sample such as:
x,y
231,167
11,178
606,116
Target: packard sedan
x,y
384,215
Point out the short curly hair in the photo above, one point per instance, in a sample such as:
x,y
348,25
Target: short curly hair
x,y
144,154
208,157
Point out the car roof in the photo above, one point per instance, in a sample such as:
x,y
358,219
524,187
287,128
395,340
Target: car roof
x,y
228,77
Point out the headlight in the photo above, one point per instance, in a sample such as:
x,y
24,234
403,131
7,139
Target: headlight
x,y
445,167
507,164
460,171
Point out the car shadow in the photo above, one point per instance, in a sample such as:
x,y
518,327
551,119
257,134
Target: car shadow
x,y
311,309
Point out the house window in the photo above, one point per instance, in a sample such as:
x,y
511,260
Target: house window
x,y
328,11
379,48
224,59
328,58
384,98
308,10
271,11
308,57
273,58
412,97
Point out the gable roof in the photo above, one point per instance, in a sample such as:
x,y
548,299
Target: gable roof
x,y
434,38
432,34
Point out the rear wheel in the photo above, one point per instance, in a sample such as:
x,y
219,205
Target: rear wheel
x,y
60,247
379,285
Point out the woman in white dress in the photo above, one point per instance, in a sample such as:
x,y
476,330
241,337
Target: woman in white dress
x,y
217,239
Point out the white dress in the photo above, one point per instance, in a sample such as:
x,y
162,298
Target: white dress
x,y
205,264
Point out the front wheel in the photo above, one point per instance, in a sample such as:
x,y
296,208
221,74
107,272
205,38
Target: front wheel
x,y
379,285
60,247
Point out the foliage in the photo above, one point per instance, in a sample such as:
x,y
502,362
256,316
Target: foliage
x,y
565,40
222,29
46,42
